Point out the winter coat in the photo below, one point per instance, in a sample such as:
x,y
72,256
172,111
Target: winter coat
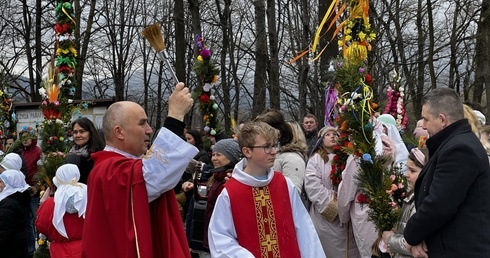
x,y
395,242
290,161
13,233
452,196
335,235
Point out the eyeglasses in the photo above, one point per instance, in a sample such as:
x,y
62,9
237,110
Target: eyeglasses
x,y
268,148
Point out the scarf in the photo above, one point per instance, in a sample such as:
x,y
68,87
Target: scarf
x,y
66,181
15,181
83,152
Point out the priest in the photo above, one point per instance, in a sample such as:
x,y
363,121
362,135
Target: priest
x,y
131,209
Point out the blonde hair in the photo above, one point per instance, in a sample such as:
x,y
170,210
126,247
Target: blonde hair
x,y
250,131
472,119
299,139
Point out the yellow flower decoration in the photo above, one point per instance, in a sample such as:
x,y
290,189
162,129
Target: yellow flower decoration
x,y
362,36
1,93
372,36
356,52
66,51
200,59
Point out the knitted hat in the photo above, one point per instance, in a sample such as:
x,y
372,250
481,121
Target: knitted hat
x,y
229,147
325,130
11,161
321,134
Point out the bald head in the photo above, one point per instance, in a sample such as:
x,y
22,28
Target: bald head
x,y
112,117
126,127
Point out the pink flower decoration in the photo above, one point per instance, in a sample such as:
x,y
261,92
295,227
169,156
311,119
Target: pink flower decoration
x,y
392,177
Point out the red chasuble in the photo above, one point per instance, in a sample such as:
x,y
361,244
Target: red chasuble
x,y
263,218
119,221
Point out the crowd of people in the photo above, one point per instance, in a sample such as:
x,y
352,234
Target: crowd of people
x,y
267,192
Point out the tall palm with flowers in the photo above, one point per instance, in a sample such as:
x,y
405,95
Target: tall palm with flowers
x,y
57,92
355,108
207,72
8,120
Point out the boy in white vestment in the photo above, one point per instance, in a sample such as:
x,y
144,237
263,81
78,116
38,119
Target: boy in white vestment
x,y
259,213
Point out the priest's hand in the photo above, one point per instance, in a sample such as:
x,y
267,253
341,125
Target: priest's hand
x,y
180,102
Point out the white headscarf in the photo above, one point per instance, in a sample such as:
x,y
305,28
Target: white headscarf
x,y
15,181
401,154
11,161
66,180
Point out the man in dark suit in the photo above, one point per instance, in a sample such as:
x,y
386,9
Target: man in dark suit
x,y
452,193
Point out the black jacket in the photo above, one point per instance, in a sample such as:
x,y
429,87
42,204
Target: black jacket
x,y
452,196
13,234
84,164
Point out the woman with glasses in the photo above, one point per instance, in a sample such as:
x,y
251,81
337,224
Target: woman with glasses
x,y
290,159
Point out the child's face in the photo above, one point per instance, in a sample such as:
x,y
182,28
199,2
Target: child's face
x,y
330,139
258,154
412,173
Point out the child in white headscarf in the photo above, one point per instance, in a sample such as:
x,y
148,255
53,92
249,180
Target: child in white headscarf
x,y
60,218
11,161
13,202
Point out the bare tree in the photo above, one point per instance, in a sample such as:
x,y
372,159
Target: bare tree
x,y
224,18
274,93
329,42
180,46
429,43
82,36
261,59
482,56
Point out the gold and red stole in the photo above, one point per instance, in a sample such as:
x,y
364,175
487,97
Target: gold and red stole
x,y
271,232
